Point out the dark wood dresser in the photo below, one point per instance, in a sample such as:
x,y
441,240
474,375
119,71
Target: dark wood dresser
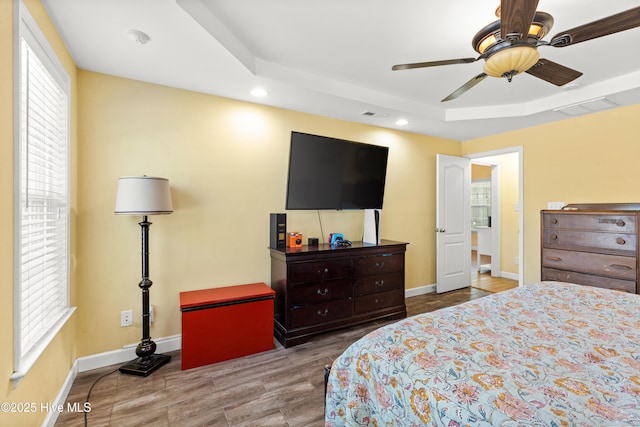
x,y
592,244
322,288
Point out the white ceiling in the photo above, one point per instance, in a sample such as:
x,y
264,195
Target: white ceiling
x,y
333,57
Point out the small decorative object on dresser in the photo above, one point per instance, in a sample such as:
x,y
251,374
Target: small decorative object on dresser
x,y
592,244
327,287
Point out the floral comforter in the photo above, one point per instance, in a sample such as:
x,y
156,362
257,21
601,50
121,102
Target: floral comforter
x,y
548,354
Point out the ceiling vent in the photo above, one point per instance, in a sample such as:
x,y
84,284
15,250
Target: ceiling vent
x,y
372,114
587,107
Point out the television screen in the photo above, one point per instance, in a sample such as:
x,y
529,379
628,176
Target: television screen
x,y
330,173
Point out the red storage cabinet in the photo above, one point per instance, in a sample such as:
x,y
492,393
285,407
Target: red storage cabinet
x,y
223,323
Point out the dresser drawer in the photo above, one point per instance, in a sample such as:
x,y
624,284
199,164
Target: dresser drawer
x,y
615,266
321,313
379,283
315,293
319,271
589,239
377,264
590,280
596,222
379,301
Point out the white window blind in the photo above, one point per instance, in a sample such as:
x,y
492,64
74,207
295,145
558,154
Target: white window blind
x,y
42,202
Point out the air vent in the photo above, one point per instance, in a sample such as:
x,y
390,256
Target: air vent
x,y
372,114
587,107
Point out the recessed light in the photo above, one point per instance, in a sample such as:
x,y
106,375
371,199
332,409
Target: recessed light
x,y
402,122
259,92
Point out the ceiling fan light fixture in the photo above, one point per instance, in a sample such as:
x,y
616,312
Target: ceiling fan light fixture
x,y
511,61
537,31
486,42
490,37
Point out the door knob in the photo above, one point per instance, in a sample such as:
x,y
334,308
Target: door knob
x,y
440,230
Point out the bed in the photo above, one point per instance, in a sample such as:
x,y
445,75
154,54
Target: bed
x,y
546,354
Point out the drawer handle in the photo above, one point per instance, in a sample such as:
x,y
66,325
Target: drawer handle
x,y
620,267
323,293
554,220
620,241
380,283
553,258
554,237
326,270
380,264
381,300
620,223
323,313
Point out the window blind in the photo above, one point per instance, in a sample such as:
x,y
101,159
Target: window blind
x,y
42,231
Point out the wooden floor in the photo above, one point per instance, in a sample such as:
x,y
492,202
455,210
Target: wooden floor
x,y
280,387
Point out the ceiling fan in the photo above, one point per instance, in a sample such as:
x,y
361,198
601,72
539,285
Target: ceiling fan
x,y
509,45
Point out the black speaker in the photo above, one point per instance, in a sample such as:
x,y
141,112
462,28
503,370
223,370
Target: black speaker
x,y
278,226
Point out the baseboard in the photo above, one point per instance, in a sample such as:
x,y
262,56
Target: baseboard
x,y
421,290
100,360
512,276
52,416
127,353
427,289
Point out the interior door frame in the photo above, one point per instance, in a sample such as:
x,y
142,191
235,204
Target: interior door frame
x,y
520,206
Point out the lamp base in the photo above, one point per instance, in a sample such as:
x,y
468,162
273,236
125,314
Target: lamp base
x,y
145,366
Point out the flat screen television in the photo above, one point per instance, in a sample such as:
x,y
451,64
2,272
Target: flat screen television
x,y
331,173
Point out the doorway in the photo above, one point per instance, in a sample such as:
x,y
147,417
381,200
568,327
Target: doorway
x,y
506,241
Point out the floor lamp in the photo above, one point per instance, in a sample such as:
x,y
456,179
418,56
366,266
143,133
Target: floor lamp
x,y
144,195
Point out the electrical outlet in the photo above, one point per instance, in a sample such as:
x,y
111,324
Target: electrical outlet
x,y
126,318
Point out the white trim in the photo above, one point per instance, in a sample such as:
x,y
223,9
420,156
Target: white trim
x,y
52,416
27,28
507,275
30,359
127,353
101,360
496,239
420,290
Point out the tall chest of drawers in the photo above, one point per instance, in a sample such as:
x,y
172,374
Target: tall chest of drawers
x,y
594,245
323,288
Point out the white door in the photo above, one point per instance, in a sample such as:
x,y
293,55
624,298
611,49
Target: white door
x,y
453,223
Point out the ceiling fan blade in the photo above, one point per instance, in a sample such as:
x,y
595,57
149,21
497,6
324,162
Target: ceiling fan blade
x,y
433,63
516,17
602,27
465,87
554,73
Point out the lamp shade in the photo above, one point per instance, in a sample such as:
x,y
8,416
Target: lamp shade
x,y
143,195
513,60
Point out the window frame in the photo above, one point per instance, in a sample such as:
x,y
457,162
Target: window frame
x,y
28,30
480,206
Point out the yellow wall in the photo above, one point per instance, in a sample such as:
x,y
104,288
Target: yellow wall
x,y
44,380
480,172
226,161
592,158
